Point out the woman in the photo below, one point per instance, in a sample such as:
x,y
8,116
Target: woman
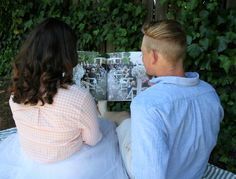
x,y
58,134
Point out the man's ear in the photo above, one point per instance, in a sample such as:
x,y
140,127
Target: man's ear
x,y
154,56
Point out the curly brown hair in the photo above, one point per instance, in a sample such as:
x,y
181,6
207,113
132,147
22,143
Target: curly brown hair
x,y
44,63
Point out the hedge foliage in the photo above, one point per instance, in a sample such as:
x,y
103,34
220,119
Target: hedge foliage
x,y
211,31
117,23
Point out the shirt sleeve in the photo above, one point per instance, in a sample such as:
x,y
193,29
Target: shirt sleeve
x,y
150,151
91,133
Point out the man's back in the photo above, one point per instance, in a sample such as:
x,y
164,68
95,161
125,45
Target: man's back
x,y
175,124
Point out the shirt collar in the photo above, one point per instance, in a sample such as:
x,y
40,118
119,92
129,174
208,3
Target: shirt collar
x,y
190,79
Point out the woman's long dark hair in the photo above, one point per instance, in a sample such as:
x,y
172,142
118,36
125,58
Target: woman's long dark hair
x,y
44,63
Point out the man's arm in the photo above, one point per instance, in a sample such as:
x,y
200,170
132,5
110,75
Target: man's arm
x,y
150,152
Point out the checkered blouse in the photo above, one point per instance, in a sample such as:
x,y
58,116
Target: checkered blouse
x,y
55,131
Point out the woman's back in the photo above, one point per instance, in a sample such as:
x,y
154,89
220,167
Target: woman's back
x,y
55,131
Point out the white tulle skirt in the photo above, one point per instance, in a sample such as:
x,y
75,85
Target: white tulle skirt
x,y
102,161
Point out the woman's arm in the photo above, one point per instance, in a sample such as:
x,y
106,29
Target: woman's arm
x,y
91,133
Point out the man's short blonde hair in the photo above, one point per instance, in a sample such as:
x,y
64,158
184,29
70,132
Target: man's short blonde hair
x,y
166,37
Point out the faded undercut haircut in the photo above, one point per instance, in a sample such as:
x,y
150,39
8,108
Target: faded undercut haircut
x,y
166,37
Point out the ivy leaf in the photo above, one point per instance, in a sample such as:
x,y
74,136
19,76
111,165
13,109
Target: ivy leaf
x,y
80,15
121,32
220,20
95,32
195,35
162,2
189,39
194,50
224,159
231,36
204,43
222,43
81,26
115,12
196,20
206,64
213,55
138,10
203,14
193,4
234,60
87,37
211,6
109,37
225,62
134,28
203,30
28,24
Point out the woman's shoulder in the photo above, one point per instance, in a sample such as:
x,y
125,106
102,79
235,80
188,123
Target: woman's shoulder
x,y
72,93
73,90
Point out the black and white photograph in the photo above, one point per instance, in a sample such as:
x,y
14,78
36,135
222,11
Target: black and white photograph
x,y
90,73
126,76
119,76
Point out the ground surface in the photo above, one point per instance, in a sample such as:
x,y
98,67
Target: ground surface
x,y
6,120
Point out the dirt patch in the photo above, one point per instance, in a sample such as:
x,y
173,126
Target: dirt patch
x,y
6,120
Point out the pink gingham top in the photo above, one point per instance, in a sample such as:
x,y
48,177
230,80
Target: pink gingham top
x,y
55,131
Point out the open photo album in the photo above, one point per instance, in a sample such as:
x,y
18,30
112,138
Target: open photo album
x,y
118,76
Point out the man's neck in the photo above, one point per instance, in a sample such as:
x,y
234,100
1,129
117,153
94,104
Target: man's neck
x,y
165,67
171,71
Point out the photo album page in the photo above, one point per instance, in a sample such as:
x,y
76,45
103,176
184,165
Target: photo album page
x,y
117,76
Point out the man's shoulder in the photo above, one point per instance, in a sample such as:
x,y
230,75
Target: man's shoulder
x,y
167,93
150,96
206,85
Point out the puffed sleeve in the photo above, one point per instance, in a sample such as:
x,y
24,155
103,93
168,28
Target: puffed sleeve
x,y
91,133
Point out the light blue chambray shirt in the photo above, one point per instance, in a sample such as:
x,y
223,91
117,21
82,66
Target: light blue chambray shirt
x,y
174,127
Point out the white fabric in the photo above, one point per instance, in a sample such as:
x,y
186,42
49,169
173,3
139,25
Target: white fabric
x,y
102,161
124,137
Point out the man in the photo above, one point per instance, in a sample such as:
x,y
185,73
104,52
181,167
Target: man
x,y
175,122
